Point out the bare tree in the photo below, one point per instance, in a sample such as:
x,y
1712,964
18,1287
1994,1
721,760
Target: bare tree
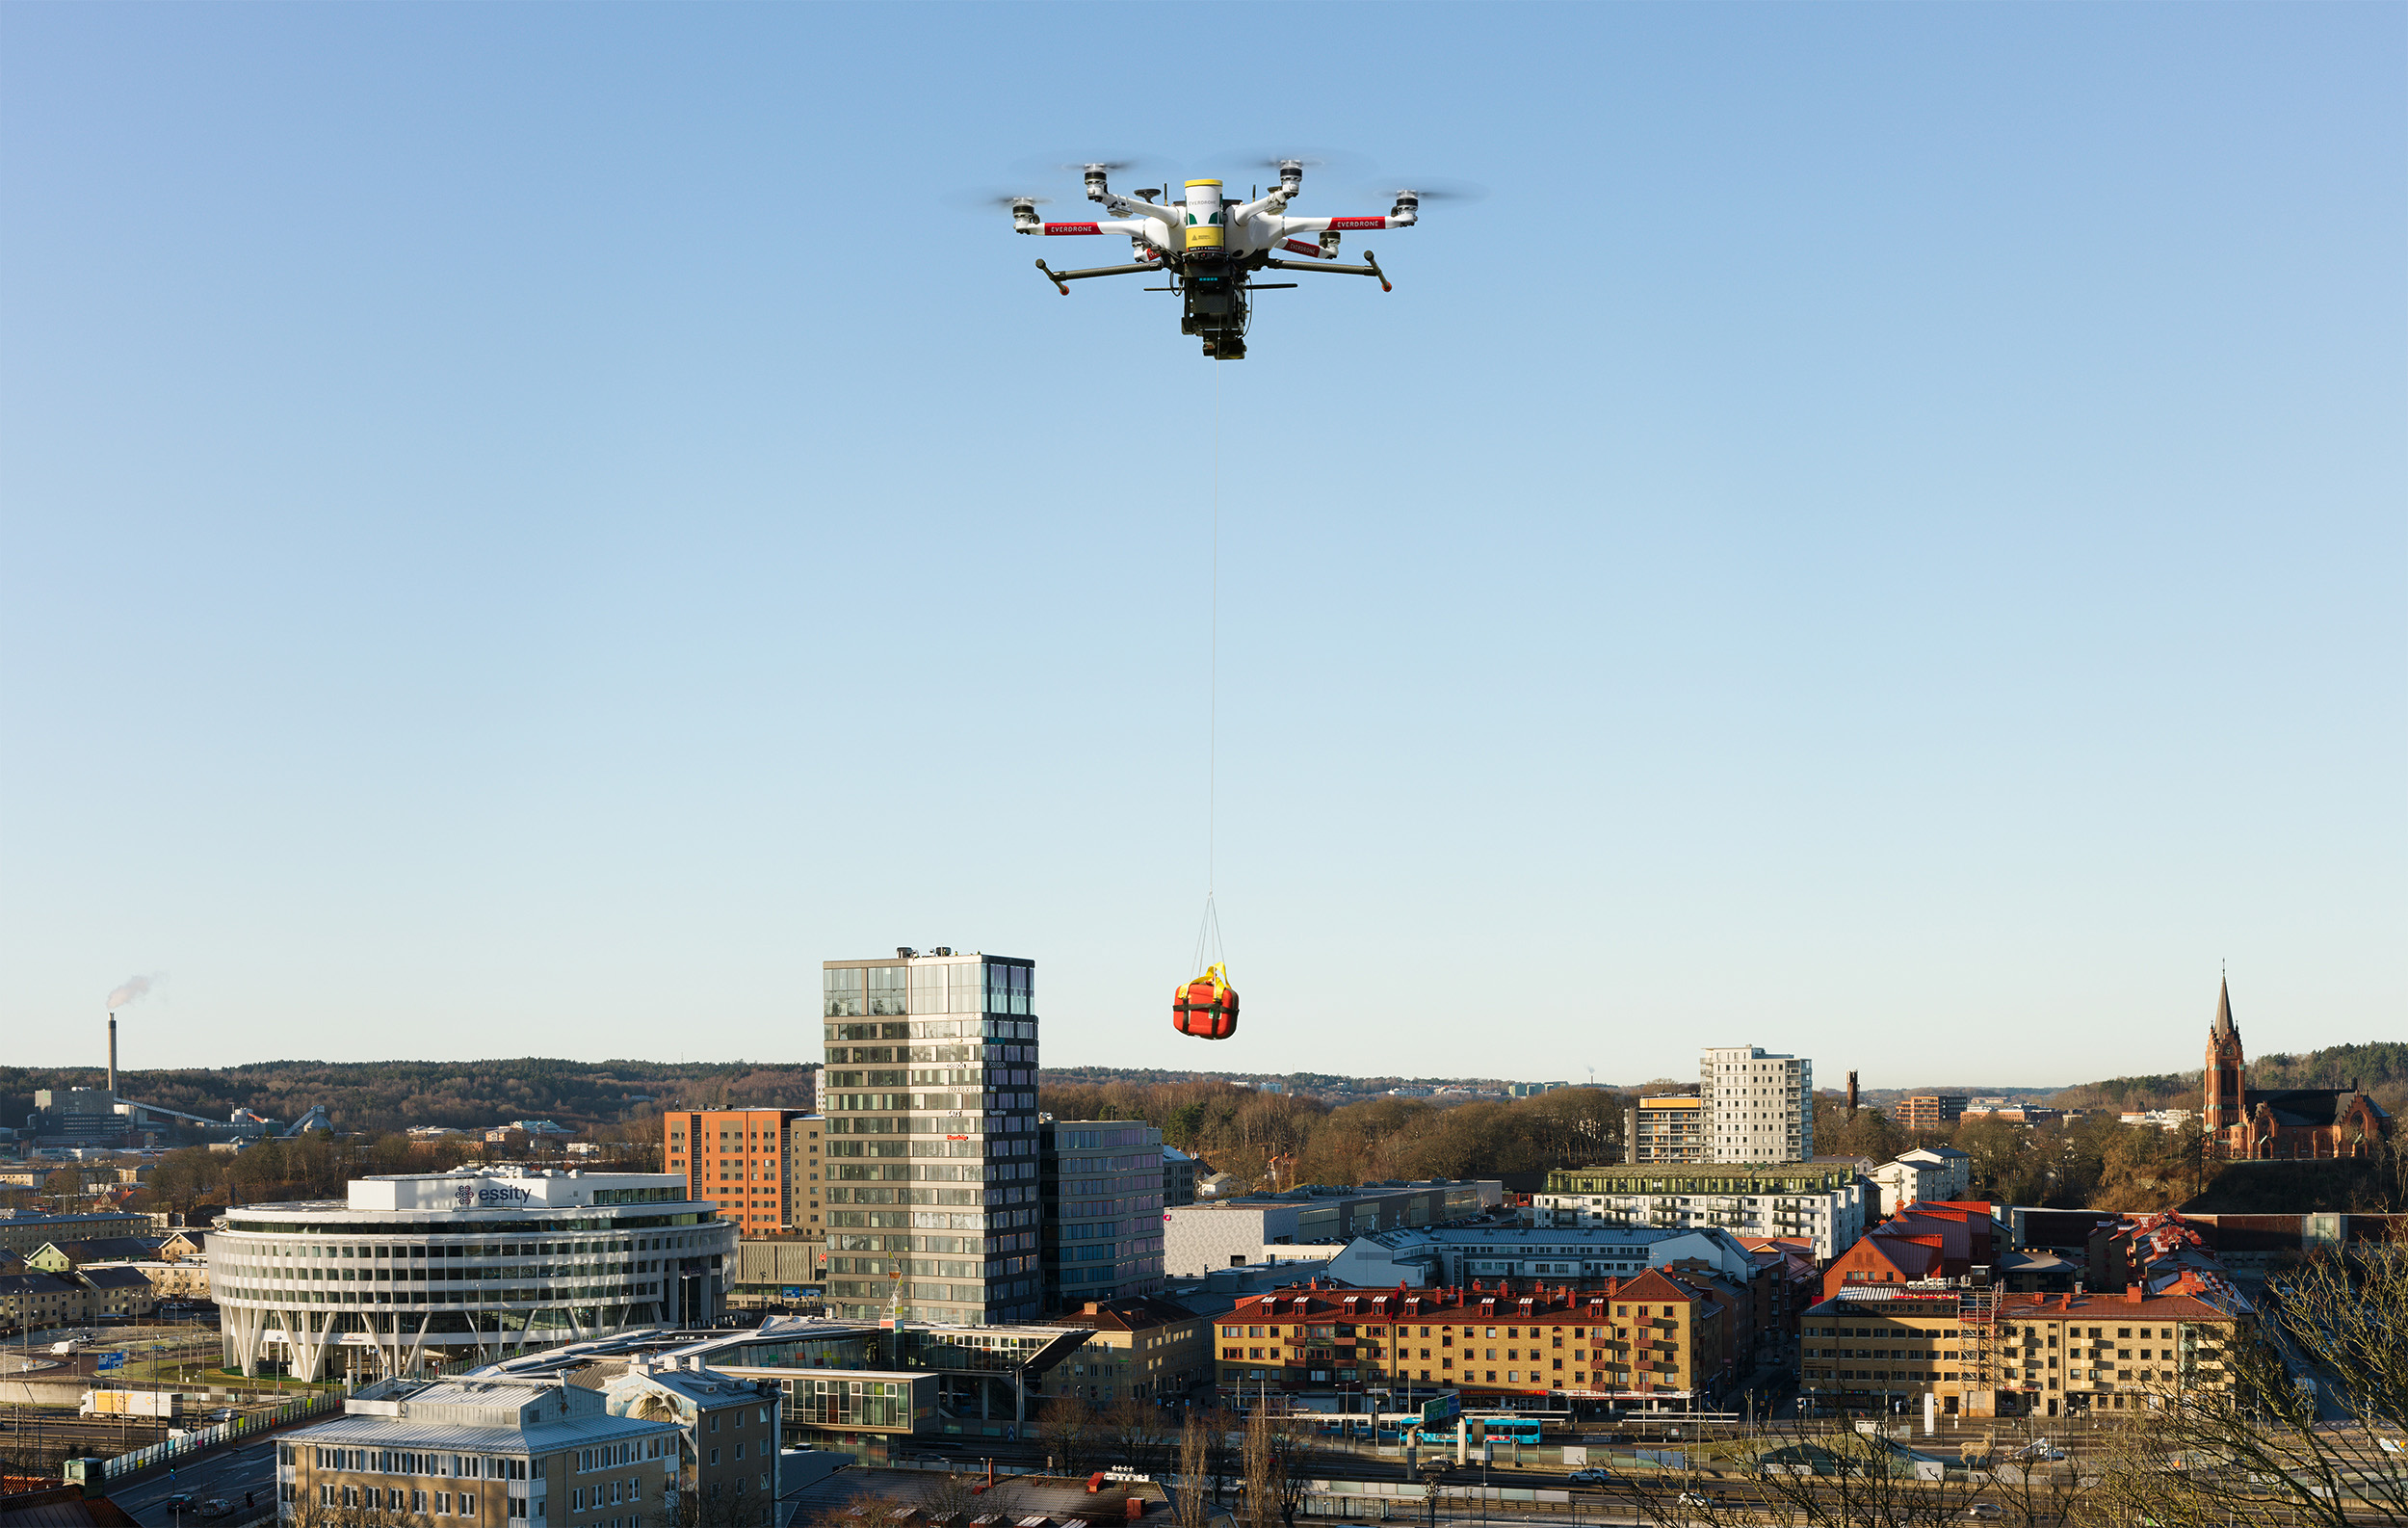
x,y
2309,1424
1133,1430
1193,1507
1064,1426
1264,1477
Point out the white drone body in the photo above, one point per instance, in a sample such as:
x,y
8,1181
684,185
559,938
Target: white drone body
x,y
1210,248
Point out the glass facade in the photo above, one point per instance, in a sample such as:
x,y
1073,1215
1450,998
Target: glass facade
x,y
930,1167
307,1289
1103,1187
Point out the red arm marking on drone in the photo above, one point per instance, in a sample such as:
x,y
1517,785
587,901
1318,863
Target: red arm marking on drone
x,y
1358,222
1051,229
1299,247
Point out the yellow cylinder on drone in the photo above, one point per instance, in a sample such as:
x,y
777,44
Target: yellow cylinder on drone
x,y
1207,223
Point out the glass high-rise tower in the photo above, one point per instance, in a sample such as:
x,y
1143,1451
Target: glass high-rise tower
x,y
930,1093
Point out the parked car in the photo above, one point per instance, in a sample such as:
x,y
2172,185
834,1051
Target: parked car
x,y
1982,1511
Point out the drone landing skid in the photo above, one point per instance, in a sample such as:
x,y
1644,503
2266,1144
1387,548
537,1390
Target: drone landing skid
x,y
1057,277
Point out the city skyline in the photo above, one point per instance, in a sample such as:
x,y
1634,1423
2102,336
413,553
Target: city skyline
x,y
531,529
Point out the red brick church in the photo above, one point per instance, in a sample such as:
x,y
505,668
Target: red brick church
x,y
2252,1124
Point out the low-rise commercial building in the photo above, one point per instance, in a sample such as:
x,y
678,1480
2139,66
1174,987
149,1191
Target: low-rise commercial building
x,y
1823,1203
2040,1354
497,1452
775,1271
1232,1232
187,1280
862,1387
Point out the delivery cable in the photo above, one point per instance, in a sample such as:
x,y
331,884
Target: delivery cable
x,y
1207,1006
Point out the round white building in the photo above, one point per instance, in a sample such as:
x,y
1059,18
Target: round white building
x,y
432,1270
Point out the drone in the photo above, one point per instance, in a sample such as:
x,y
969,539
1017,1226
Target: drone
x,y
1209,249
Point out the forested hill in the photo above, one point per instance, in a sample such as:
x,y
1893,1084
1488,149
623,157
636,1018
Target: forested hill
x,y
2380,1067
379,1096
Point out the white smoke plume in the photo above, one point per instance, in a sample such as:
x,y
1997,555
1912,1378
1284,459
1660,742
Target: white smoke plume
x,y
132,988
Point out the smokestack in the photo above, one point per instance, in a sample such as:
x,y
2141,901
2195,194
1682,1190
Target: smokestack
x,y
113,1055
1852,1094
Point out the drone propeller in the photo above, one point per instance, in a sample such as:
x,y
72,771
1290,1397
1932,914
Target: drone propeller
x,y
981,200
1432,190
1337,159
1050,164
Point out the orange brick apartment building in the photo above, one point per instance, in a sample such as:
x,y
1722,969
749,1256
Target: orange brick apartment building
x,y
759,1167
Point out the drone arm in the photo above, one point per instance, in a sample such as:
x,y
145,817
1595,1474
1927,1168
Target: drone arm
x,y
1272,206
1318,224
1055,231
1122,206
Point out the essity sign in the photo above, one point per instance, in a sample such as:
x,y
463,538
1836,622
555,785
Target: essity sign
x,y
467,1197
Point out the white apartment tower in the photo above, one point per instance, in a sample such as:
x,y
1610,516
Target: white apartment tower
x,y
1758,1107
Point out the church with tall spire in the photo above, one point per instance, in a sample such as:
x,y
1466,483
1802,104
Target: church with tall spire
x,y
2246,1125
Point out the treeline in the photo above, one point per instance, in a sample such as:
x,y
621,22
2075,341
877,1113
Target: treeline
x,y
2379,1067
2100,1163
318,1166
384,1095
1288,1137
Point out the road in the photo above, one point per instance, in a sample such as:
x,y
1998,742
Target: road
x,y
225,1472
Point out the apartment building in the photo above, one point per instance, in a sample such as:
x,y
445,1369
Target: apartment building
x,y
1931,1239
1926,1172
1826,1204
1101,1184
738,1161
2016,1355
1458,1255
32,1298
24,1233
1931,1111
1758,1107
930,1093
498,1452
1654,1339
729,1429
1178,1177
1244,1230
1668,1127
1147,1348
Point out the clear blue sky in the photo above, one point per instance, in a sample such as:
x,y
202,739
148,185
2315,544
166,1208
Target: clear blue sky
x,y
527,529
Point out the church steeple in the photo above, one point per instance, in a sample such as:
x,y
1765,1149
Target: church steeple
x,y
2224,1105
